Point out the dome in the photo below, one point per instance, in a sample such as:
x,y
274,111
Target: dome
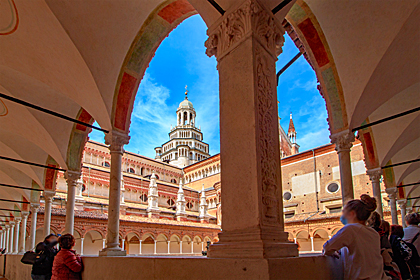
x,y
186,104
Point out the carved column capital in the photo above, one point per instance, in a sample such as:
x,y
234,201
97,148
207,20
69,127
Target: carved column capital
x,y
392,192
34,207
72,176
25,214
18,220
48,196
249,19
116,141
374,174
343,140
402,203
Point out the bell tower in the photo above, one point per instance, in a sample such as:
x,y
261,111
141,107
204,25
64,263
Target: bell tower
x,y
185,145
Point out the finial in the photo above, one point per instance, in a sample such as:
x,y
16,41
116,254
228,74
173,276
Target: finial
x,y
186,92
290,115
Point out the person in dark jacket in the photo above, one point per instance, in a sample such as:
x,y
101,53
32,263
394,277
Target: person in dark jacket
x,y
414,262
42,269
67,264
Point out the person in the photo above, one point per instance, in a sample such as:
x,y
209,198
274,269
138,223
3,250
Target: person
x,y
412,231
42,269
67,265
412,262
359,245
391,269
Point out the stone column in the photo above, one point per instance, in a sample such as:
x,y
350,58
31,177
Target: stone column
x,y
71,177
343,142
180,247
154,248
192,247
140,247
1,238
392,194
6,240
116,141
375,176
18,220
312,244
103,243
22,236
11,236
81,245
402,203
249,38
169,246
48,198
34,211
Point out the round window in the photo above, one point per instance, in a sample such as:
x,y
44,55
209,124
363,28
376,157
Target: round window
x,y
287,196
333,187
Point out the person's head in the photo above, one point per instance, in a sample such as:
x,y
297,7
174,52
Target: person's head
x,y
359,210
385,226
67,241
51,239
374,220
412,219
397,230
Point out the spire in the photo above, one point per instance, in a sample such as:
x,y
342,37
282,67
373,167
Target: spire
x,y
291,125
203,206
180,202
153,208
186,92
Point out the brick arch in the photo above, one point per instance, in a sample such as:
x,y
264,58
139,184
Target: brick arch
x,y
153,235
156,28
136,232
100,231
319,228
310,33
77,141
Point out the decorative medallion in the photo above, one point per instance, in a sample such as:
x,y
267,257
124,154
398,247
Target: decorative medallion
x,y
9,18
3,109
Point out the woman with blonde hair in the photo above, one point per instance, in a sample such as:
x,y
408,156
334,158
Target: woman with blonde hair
x,y
358,244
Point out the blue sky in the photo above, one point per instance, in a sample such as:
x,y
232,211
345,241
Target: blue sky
x,y
181,60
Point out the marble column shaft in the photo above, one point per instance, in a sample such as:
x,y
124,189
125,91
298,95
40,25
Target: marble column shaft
x,y
48,198
34,215
375,176
116,142
71,177
22,236
343,142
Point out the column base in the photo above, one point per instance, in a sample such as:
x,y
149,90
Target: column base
x,y
253,244
107,252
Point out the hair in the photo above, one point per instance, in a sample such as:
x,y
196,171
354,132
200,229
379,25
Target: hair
x,y
397,230
49,236
412,219
385,226
374,220
66,241
363,207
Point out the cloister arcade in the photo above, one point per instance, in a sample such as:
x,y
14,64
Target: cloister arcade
x,y
86,61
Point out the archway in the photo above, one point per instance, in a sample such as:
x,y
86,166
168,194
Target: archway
x,y
320,237
198,245
92,243
132,243
148,244
187,245
175,244
161,244
304,241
